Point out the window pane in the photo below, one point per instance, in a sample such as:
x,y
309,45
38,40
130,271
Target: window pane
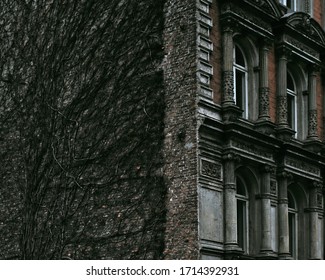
x,y
240,88
240,187
241,223
239,57
291,110
290,84
291,201
292,233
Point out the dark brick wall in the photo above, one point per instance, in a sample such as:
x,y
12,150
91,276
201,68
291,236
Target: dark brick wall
x,y
180,147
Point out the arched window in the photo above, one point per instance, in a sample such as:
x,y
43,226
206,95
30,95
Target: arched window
x,y
293,225
240,80
297,100
292,102
242,214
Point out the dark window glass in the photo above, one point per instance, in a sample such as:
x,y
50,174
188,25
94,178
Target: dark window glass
x,y
239,57
292,233
290,112
240,187
241,223
290,84
240,88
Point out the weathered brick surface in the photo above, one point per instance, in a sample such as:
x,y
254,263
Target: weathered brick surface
x,y
180,147
216,56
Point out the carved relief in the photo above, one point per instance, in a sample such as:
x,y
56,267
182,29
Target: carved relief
x,y
245,15
210,169
304,25
228,86
273,187
264,5
252,149
302,166
264,101
312,123
282,109
301,46
319,200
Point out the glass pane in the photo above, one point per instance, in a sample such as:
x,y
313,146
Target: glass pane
x,y
291,201
240,187
240,88
241,223
291,110
292,234
290,83
239,57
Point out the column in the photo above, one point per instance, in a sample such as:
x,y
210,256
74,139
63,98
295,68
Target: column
x,y
266,241
315,250
282,88
284,252
284,132
228,74
230,203
264,82
312,104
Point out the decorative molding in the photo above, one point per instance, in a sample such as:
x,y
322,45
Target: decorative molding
x,y
245,15
251,149
264,101
228,86
319,200
301,46
302,166
273,187
211,169
231,157
284,175
312,123
263,4
282,110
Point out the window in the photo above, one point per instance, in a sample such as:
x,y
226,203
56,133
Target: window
x,y
297,5
292,102
291,4
240,80
242,215
293,225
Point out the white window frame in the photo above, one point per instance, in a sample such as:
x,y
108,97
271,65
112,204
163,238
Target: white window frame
x,y
244,71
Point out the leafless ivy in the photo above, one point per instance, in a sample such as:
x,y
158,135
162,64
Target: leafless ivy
x,y
81,110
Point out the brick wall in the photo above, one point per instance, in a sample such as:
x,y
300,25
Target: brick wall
x,y
180,148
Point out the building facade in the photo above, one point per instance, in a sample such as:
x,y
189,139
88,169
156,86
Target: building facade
x,y
195,130
245,135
